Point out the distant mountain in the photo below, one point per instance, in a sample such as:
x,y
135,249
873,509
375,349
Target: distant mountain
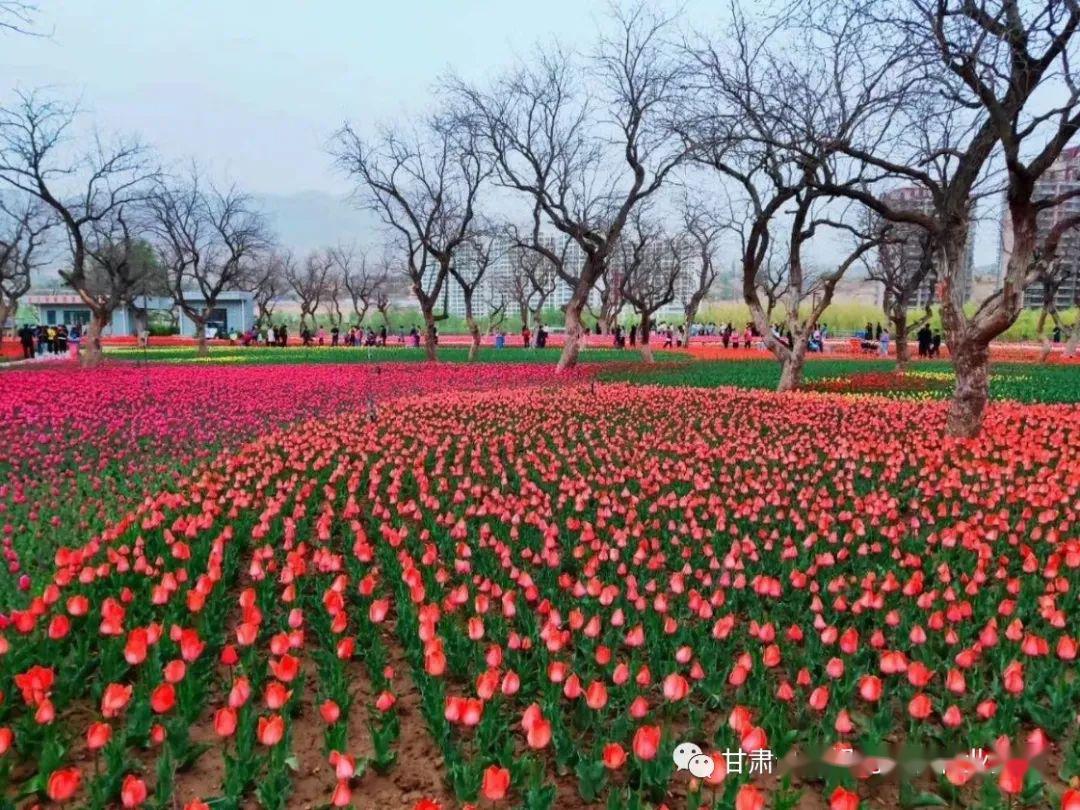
x,y
308,220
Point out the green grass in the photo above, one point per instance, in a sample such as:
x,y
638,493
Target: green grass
x,y
1023,382
236,355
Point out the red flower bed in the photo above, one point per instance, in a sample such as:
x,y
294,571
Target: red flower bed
x,y
563,585
79,447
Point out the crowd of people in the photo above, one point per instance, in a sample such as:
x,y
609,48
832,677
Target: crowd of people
x,y
874,338
45,339
353,336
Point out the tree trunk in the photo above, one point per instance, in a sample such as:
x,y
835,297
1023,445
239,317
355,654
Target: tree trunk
x,y
90,348
899,324
1042,337
971,362
1074,339
646,347
429,334
691,315
524,313
791,368
5,309
203,349
142,321
575,331
474,332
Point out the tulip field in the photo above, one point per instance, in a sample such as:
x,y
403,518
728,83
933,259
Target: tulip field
x,y
450,585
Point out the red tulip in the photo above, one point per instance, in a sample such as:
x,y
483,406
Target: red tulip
x,y
870,688
646,742
63,784
225,722
133,791
98,735
614,756
496,783
163,698
342,796
842,799
1070,799
1013,678
276,695
1011,778
539,734
285,668
749,798
240,693
920,707
7,737
675,687
596,695
270,730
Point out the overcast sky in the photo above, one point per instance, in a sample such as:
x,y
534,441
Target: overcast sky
x,y
254,88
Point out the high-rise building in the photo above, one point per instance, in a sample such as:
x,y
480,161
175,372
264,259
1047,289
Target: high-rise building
x,y
916,198
1062,177
496,281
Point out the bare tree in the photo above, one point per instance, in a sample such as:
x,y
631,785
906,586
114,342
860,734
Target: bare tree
x,y
335,288
497,304
357,277
308,283
384,283
649,263
996,96
209,240
120,264
704,229
904,265
516,287
22,234
482,247
609,290
773,280
84,190
585,160
535,275
424,185
269,281
757,117
18,17
1050,278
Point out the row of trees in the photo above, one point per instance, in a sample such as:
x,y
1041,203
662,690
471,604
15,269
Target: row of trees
x,y
804,124
130,230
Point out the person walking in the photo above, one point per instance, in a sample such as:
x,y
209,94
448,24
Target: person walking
x,y
883,343
26,338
